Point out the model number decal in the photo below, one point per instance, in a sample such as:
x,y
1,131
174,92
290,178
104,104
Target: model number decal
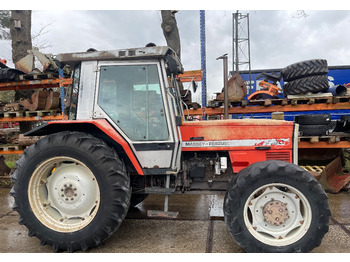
x,y
238,143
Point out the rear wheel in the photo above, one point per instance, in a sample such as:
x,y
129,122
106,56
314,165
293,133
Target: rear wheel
x,y
275,206
71,191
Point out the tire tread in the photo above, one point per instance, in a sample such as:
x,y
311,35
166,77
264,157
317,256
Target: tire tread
x,y
106,159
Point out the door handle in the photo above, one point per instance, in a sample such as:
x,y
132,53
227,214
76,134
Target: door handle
x,y
163,146
197,138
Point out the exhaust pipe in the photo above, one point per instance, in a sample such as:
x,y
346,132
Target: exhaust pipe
x,y
224,58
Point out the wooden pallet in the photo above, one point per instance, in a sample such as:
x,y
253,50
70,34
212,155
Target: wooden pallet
x,y
12,114
300,100
38,76
332,138
41,113
9,148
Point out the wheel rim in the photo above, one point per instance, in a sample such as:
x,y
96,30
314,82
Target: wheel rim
x,y
277,214
64,194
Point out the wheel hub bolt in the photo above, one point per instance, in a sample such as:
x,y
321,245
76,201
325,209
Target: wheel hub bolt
x,y
68,192
275,212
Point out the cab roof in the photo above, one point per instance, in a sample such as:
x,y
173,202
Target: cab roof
x,y
122,54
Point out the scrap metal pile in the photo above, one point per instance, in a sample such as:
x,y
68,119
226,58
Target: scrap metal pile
x,y
27,102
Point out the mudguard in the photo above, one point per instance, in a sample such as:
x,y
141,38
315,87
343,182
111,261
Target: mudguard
x,y
100,125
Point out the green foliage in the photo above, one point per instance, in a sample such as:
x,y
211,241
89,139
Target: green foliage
x,y
10,160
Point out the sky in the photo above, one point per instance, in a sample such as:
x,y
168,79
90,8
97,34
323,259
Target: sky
x,y
278,37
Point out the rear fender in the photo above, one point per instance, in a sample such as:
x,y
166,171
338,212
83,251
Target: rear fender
x,y
100,128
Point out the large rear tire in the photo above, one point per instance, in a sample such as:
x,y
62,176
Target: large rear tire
x,y
71,191
311,84
275,206
305,68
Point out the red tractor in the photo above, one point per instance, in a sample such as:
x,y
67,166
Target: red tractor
x,y
126,138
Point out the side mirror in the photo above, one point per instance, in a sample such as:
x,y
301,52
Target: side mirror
x,y
194,86
172,66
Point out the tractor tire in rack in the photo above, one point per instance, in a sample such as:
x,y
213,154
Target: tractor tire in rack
x,y
311,84
9,74
313,119
314,130
275,206
304,69
71,191
314,124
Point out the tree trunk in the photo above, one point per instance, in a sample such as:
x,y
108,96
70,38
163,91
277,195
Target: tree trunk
x,y
20,30
170,31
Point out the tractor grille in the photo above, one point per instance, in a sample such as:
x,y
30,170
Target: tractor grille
x,y
285,156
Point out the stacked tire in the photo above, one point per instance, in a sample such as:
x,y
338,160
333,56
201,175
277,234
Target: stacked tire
x,y
309,76
313,125
9,74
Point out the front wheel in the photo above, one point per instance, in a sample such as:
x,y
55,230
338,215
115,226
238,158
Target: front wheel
x,y
275,206
71,190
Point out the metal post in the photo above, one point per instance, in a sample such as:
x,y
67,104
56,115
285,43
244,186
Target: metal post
x,y
225,63
233,43
60,73
166,200
203,60
250,69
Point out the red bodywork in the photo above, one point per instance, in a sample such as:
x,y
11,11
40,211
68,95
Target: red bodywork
x,y
247,141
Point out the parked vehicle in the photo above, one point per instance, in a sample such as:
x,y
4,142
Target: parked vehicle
x,y
126,138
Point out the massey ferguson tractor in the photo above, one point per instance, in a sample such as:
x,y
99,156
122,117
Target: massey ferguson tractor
x,y
127,137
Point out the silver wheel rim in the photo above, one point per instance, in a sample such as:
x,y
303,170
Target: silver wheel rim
x,y
277,214
64,194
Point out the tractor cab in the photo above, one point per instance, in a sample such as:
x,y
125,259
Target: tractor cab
x,y
134,91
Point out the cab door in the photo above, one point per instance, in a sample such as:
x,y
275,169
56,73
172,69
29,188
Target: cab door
x,y
131,97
